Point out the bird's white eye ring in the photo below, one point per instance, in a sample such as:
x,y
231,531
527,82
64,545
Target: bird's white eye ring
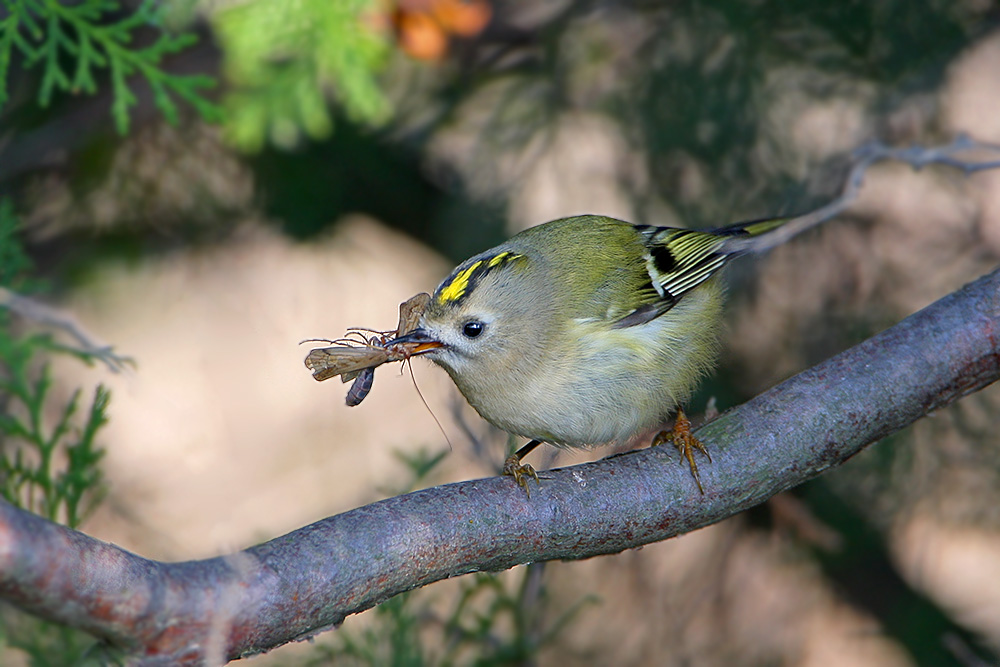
x,y
473,329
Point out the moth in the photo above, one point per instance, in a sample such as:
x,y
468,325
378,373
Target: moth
x,y
361,350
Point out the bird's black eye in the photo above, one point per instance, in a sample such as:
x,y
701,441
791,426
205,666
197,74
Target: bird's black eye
x,y
473,329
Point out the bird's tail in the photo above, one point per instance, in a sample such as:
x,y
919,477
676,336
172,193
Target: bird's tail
x,y
752,227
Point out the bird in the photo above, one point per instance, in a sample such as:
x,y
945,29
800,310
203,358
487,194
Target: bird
x,y
585,330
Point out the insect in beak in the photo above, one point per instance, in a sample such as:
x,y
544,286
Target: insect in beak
x,y
416,342
360,351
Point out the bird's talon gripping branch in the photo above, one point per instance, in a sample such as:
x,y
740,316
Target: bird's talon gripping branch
x,y
521,472
686,443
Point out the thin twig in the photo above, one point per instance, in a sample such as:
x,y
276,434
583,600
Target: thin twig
x,y
917,157
38,312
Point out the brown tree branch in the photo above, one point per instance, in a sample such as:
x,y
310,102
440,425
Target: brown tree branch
x,y
302,583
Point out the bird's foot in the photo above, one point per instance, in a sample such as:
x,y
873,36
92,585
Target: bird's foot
x,y
685,442
521,472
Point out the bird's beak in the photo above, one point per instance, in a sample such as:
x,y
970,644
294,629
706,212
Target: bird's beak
x,y
417,342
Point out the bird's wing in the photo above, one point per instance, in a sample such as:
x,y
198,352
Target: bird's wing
x,y
678,260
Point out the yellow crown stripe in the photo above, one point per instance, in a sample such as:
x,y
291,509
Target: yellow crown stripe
x,y
456,288
499,259
459,285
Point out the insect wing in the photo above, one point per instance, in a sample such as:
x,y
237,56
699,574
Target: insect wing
x,y
347,377
326,362
410,312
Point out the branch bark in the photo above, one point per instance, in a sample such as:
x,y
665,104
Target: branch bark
x,y
310,580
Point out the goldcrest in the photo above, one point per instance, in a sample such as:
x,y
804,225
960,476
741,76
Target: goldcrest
x,y
582,331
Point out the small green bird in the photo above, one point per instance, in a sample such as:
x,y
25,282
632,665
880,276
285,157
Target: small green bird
x,y
585,330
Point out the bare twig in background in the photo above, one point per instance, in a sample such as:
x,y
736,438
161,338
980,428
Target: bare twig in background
x,y
31,309
302,583
917,157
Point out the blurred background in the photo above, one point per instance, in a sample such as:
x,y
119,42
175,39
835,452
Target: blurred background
x,y
206,185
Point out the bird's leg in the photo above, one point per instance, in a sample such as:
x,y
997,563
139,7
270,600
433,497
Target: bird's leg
x,y
685,442
521,472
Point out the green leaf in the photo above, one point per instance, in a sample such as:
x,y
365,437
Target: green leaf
x,y
8,30
286,61
53,75
49,32
14,263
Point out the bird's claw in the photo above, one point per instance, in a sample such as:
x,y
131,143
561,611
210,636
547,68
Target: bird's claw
x,y
686,443
521,472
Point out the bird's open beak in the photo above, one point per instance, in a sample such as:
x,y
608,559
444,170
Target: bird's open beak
x,y
417,342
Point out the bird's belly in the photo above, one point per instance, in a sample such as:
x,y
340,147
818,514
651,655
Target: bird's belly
x,y
615,383
590,409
